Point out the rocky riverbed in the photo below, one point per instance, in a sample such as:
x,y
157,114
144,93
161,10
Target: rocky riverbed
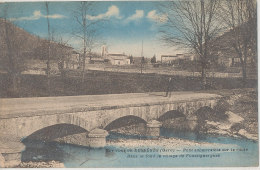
x,y
160,142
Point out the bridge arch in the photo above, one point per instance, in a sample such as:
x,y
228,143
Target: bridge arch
x,y
123,121
52,132
29,125
175,120
171,115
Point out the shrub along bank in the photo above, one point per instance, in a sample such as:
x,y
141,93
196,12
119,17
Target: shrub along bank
x,y
100,82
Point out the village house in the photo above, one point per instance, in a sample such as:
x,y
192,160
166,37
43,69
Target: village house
x,y
228,60
176,59
115,58
118,59
168,59
223,48
73,61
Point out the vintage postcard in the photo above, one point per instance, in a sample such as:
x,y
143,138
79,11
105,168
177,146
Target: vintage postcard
x,y
130,84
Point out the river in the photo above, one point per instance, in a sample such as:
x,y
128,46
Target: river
x,y
191,150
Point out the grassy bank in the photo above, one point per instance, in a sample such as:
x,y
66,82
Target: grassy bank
x,y
100,82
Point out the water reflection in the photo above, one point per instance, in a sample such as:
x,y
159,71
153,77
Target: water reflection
x,y
111,156
38,151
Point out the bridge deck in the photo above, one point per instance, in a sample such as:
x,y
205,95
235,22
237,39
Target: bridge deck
x,y
17,107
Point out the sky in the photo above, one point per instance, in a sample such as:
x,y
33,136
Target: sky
x,y
121,26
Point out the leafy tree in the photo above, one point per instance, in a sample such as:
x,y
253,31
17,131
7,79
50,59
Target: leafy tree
x,y
131,59
153,59
143,60
142,63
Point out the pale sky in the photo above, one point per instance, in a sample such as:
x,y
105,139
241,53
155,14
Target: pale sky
x,y
126,24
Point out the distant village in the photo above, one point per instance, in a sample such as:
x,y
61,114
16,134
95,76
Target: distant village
x,y
121,59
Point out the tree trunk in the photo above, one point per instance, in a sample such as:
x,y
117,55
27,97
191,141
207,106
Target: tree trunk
x,y
203,77
49,48
63,74
84,56
83,68
15,85
244,74
48,75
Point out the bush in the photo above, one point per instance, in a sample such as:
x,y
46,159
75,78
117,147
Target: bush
x,y
237,126
221,107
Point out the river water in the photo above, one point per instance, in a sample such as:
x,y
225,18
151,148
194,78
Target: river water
x,y
224,151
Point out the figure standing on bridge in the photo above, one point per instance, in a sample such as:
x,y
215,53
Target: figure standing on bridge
x,y
169,87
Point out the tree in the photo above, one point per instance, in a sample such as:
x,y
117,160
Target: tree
x,y
14,47
131,59
153,59
48,69
56,50
63,53
240,16
86,31
191,25
142,63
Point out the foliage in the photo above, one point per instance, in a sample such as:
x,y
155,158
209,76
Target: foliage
x,y
131,59
221,107
153,59
237,126
143,61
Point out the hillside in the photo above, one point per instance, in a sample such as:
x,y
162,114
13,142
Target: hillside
x,y
223,45
17,45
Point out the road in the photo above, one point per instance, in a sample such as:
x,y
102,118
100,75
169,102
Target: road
x,y
15,107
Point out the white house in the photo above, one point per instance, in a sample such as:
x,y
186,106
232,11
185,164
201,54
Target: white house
x,y
118,59
114,58
168,59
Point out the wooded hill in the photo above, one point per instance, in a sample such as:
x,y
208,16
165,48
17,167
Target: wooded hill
x,y
17,45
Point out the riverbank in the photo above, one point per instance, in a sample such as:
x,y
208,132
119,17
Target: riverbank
x,y
49,164
241,116
159,142
236,116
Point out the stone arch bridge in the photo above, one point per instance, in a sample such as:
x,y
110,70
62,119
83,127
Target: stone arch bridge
x,y
22,117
